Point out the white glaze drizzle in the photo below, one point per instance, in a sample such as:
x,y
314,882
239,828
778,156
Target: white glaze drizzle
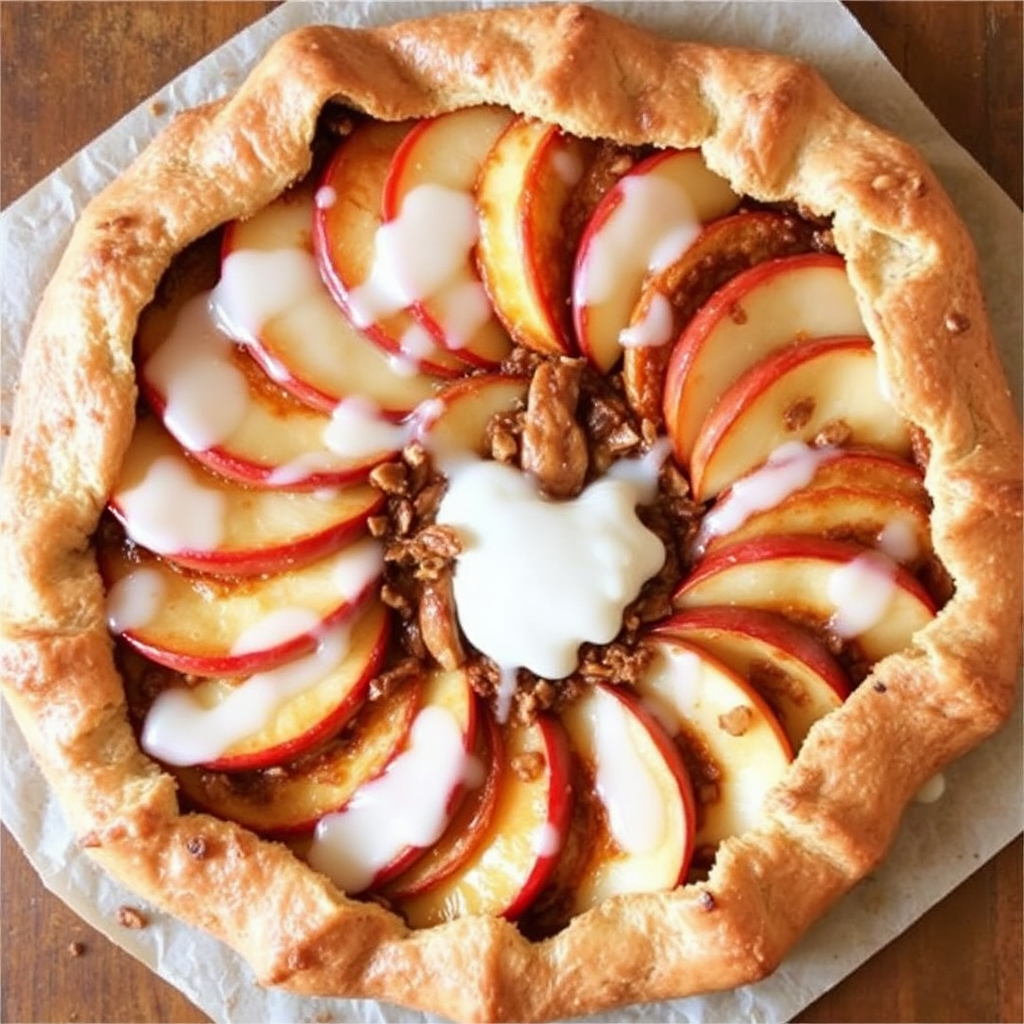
x,y
568,165
356,567
206,395
654,223
406,806
325,197
654,330
135,600
898,539
588,557
932,791
256,286
624,783
461,311
169,511
788,469
506,691
417,253
278,626
546,840
357,429
860,590
179,730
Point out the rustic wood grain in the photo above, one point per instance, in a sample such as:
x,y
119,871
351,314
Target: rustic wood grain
x,y
69,70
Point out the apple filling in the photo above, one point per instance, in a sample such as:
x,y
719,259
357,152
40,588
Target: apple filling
x,y
504,509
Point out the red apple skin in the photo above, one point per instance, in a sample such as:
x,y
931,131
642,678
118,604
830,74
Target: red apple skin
x,y
467,827
549,287
765,548
109,552
222,460
305,391
154,442
244,664
524,256
510,886
875,469
609,203
371,145
407,857
727,416
489,345
770,627
724,248
556,750
260,563
670,752
711,313
872,644
330,725
872,511
269,806
466,394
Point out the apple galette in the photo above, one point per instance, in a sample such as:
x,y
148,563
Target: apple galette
x,y
504,512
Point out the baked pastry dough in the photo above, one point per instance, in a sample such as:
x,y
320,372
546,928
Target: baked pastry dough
x,y
776,132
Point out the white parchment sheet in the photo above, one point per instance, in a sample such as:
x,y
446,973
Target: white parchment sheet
x,y
939,845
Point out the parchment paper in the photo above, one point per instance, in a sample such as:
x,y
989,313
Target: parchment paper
x,y
939,845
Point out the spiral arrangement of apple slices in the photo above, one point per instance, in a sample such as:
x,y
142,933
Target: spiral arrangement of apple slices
x,y
374,306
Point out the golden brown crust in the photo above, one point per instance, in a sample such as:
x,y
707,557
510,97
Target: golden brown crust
x,y
776,131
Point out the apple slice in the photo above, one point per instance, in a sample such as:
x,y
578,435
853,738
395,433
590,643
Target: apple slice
x,y
455,422
872,469
468,826
273,716
523,193
856,594
520,846
643,224
646,834
210,626
792,670
795,474
758,312
726,730
290,802
393,817
897,525
345,230
672,297
175,508
271,297
429,206
222,408
797,393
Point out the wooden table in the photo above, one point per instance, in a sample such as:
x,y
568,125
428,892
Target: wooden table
x,y
962,961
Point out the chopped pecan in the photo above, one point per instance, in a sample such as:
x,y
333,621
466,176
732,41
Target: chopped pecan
x,y
439,626
610,425
388,680
428,498
835,432
554,447
439,540
390,477
736,721
797,414
615,663
131,917
503,433
528,766
403,514
378,526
